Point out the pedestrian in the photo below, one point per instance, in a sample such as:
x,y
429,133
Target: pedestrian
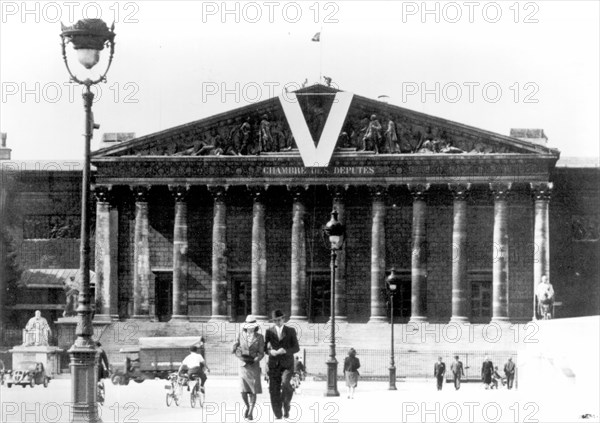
x,y
439,371
281,345
351,366
103,366
458,372
250,350
487,369
495,378
509,372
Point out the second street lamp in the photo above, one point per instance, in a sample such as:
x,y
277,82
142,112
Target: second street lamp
x,y
392,282
88,37
334,233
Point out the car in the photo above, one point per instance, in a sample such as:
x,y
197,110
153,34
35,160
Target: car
x,y
27,373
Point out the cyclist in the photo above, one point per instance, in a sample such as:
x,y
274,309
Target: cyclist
x,y
193,365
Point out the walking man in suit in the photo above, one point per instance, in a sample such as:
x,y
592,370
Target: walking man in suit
x,y
439,371
282,344
457,372
509,372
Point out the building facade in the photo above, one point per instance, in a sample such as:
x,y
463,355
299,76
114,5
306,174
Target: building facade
x,y
222,217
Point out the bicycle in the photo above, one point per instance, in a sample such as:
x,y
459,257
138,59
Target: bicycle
x,y
174,388
197,393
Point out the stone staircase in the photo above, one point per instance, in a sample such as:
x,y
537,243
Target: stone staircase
x,y
416,346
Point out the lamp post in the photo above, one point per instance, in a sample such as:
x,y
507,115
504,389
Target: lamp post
x,y
334,233
392,282
88,37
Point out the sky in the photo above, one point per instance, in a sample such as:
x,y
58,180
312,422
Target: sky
x,y
491,65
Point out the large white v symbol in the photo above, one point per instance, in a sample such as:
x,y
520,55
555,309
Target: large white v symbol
x,y
320,155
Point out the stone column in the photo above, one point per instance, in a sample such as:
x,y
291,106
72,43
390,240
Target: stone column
x,y
378,312
298,265
461,301
106,245
180,251
500,252
219,255
141,255
419,253
259,254
541,259
339,203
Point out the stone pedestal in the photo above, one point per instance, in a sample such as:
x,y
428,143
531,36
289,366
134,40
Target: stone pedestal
x,y
49,356
65,329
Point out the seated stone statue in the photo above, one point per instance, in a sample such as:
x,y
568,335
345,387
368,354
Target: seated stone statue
x,y
37,331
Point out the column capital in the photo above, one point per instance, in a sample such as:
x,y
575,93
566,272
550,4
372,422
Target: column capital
x,y
460,191
179,192
297,191
103,193
378,192
257,192
140,193
338,192
218,192
501,190
419,191
541,190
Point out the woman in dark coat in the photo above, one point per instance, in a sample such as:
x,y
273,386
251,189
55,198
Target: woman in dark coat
x,y
487,369
250,349
351,366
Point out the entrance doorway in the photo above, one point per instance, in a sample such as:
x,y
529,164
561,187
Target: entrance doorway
x,y
320,296
241,294
163,295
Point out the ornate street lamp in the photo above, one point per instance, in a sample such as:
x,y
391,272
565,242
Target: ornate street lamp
x,y
88,37
334,233
392,282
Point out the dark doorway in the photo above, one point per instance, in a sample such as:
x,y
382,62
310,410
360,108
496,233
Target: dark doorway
x,y
163,295
320,297
241,293
481,301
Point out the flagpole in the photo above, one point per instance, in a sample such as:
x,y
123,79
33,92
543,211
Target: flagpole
x,y
321,58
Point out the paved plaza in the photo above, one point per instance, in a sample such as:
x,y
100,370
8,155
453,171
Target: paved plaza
x,y
414,401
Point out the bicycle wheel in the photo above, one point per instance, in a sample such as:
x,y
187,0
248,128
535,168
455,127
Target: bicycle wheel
x,y
177,393
169,399
201,397
194,396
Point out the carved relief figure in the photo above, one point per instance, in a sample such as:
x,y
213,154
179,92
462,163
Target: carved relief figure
x,y
373,137
265,138
391,138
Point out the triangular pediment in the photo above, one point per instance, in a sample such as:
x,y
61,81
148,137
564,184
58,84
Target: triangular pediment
x,y
369,126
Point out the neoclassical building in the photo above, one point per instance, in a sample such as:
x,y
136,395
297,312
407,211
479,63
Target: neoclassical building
x,y
222,217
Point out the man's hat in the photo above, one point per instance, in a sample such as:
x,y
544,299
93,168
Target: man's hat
x,y
276,314
250,323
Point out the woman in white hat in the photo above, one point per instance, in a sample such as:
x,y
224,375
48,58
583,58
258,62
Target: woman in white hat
x,y
250,349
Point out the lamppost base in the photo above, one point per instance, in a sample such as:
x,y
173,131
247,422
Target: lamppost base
x,y
332,390
83,384
392,386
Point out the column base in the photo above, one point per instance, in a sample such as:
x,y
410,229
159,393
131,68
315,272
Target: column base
x,y
341,319
378,319
141,317
105,318
299,319
417,319
219,318
183,318
261,318
501,319
459,319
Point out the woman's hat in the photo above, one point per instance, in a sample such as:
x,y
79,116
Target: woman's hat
x,y
250,323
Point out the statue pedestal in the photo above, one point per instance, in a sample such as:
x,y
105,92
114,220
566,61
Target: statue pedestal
x,y
66,328
49,356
